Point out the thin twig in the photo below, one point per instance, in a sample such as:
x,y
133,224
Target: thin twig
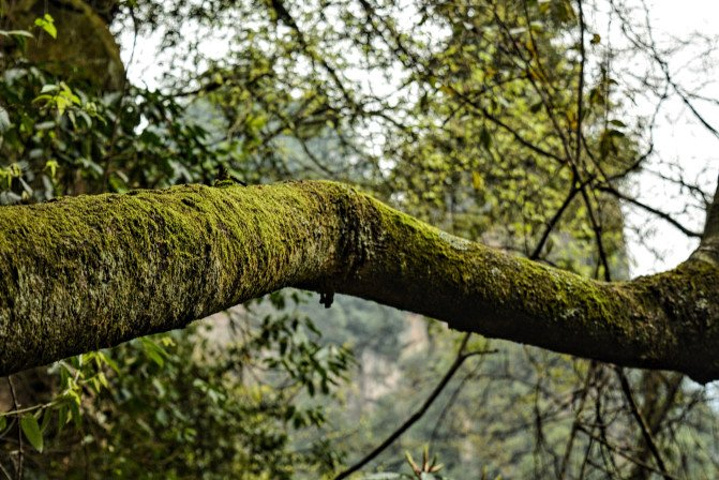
x,y
16,406
627,390
663,215
577,421
580,88
553,222
597,228
5,472
623,454
458,361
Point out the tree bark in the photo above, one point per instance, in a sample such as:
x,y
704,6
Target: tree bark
x,y
90,272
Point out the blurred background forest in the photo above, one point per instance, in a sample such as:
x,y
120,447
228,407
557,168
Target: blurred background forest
x,y
524,124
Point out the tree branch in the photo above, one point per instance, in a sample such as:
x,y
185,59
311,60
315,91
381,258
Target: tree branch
x,y
90,272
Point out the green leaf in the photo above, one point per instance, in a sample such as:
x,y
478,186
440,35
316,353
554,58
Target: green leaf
x,y
62,417
3,423
154,351
51,166
32,432
155,357
16,33
46,418
5,123
47,23
111,363
49,88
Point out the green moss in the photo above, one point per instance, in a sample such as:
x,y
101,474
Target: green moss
x,y
225,183
87,272
113,267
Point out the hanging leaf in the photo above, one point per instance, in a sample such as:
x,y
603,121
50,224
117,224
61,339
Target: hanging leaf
x,y
46,418
32,432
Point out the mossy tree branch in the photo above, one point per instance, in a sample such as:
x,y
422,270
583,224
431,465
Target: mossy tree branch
x,y
90,272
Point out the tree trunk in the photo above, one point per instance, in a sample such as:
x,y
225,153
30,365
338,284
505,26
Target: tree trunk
x,y
84,52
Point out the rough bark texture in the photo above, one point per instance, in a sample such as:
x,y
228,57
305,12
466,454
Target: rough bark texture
x,y
90,272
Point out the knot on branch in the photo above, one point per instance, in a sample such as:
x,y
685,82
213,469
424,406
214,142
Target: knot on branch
x,y
358,220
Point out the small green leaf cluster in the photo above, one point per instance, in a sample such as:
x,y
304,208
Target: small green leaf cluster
x,y
59,140
47,23
78,379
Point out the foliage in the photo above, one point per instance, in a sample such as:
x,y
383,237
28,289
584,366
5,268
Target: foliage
x,y
65,142
226,411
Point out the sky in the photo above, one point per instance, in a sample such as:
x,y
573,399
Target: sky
x,y
678,139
